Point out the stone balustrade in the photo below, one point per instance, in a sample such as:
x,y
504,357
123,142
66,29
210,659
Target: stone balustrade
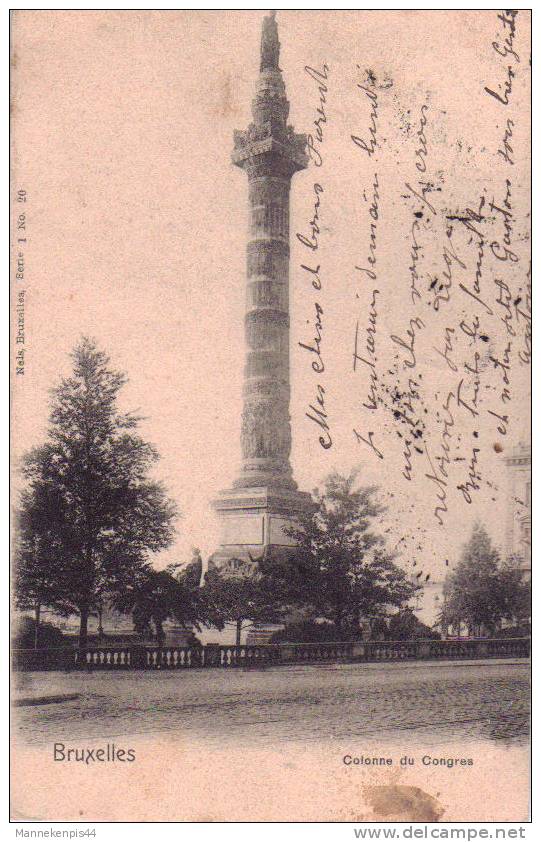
x,y
243,656
172,657
119,657
139,657
103,658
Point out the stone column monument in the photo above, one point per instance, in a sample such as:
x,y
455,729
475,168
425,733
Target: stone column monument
x,y
264,498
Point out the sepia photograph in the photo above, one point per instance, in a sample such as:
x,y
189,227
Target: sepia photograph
x,y
270,366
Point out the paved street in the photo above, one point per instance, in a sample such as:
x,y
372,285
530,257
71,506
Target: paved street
x,y
487,701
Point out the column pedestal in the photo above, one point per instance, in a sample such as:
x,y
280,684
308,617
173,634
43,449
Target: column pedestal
x,y
253,519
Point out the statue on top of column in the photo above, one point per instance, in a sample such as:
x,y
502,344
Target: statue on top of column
x,y
270,45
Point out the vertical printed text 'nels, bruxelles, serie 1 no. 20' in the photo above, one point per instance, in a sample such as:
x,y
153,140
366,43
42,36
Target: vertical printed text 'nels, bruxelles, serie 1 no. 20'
x,y
20,275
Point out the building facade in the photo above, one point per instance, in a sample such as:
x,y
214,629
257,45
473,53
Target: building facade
x,y
519,518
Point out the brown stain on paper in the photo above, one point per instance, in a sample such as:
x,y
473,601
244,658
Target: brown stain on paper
x,y
227,107
398,802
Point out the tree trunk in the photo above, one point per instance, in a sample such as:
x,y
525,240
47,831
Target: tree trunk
x,y
160,634
36,624
83,628
239,629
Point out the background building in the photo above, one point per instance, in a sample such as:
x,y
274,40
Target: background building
x,y
519,518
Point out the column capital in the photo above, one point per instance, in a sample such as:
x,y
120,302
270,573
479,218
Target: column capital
x,y
263,150
269,141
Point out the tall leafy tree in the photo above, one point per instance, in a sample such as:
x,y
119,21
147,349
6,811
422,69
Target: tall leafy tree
x,y
88,487
37,577
481,591
405,625
240,595
340,568
517,591
170,594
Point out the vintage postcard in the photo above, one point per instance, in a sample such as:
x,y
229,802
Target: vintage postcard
x,y
270,386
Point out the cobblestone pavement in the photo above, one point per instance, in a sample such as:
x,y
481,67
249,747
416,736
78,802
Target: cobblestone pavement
x,y
453,701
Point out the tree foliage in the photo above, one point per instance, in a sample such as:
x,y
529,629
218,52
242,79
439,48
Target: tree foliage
x,y
305,631
49,635
240,595
170,594
90,514
340,567
482,591
405,625
36,547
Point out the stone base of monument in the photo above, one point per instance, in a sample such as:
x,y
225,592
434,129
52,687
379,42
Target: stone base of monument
x,y
176,635
261,634
253,519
